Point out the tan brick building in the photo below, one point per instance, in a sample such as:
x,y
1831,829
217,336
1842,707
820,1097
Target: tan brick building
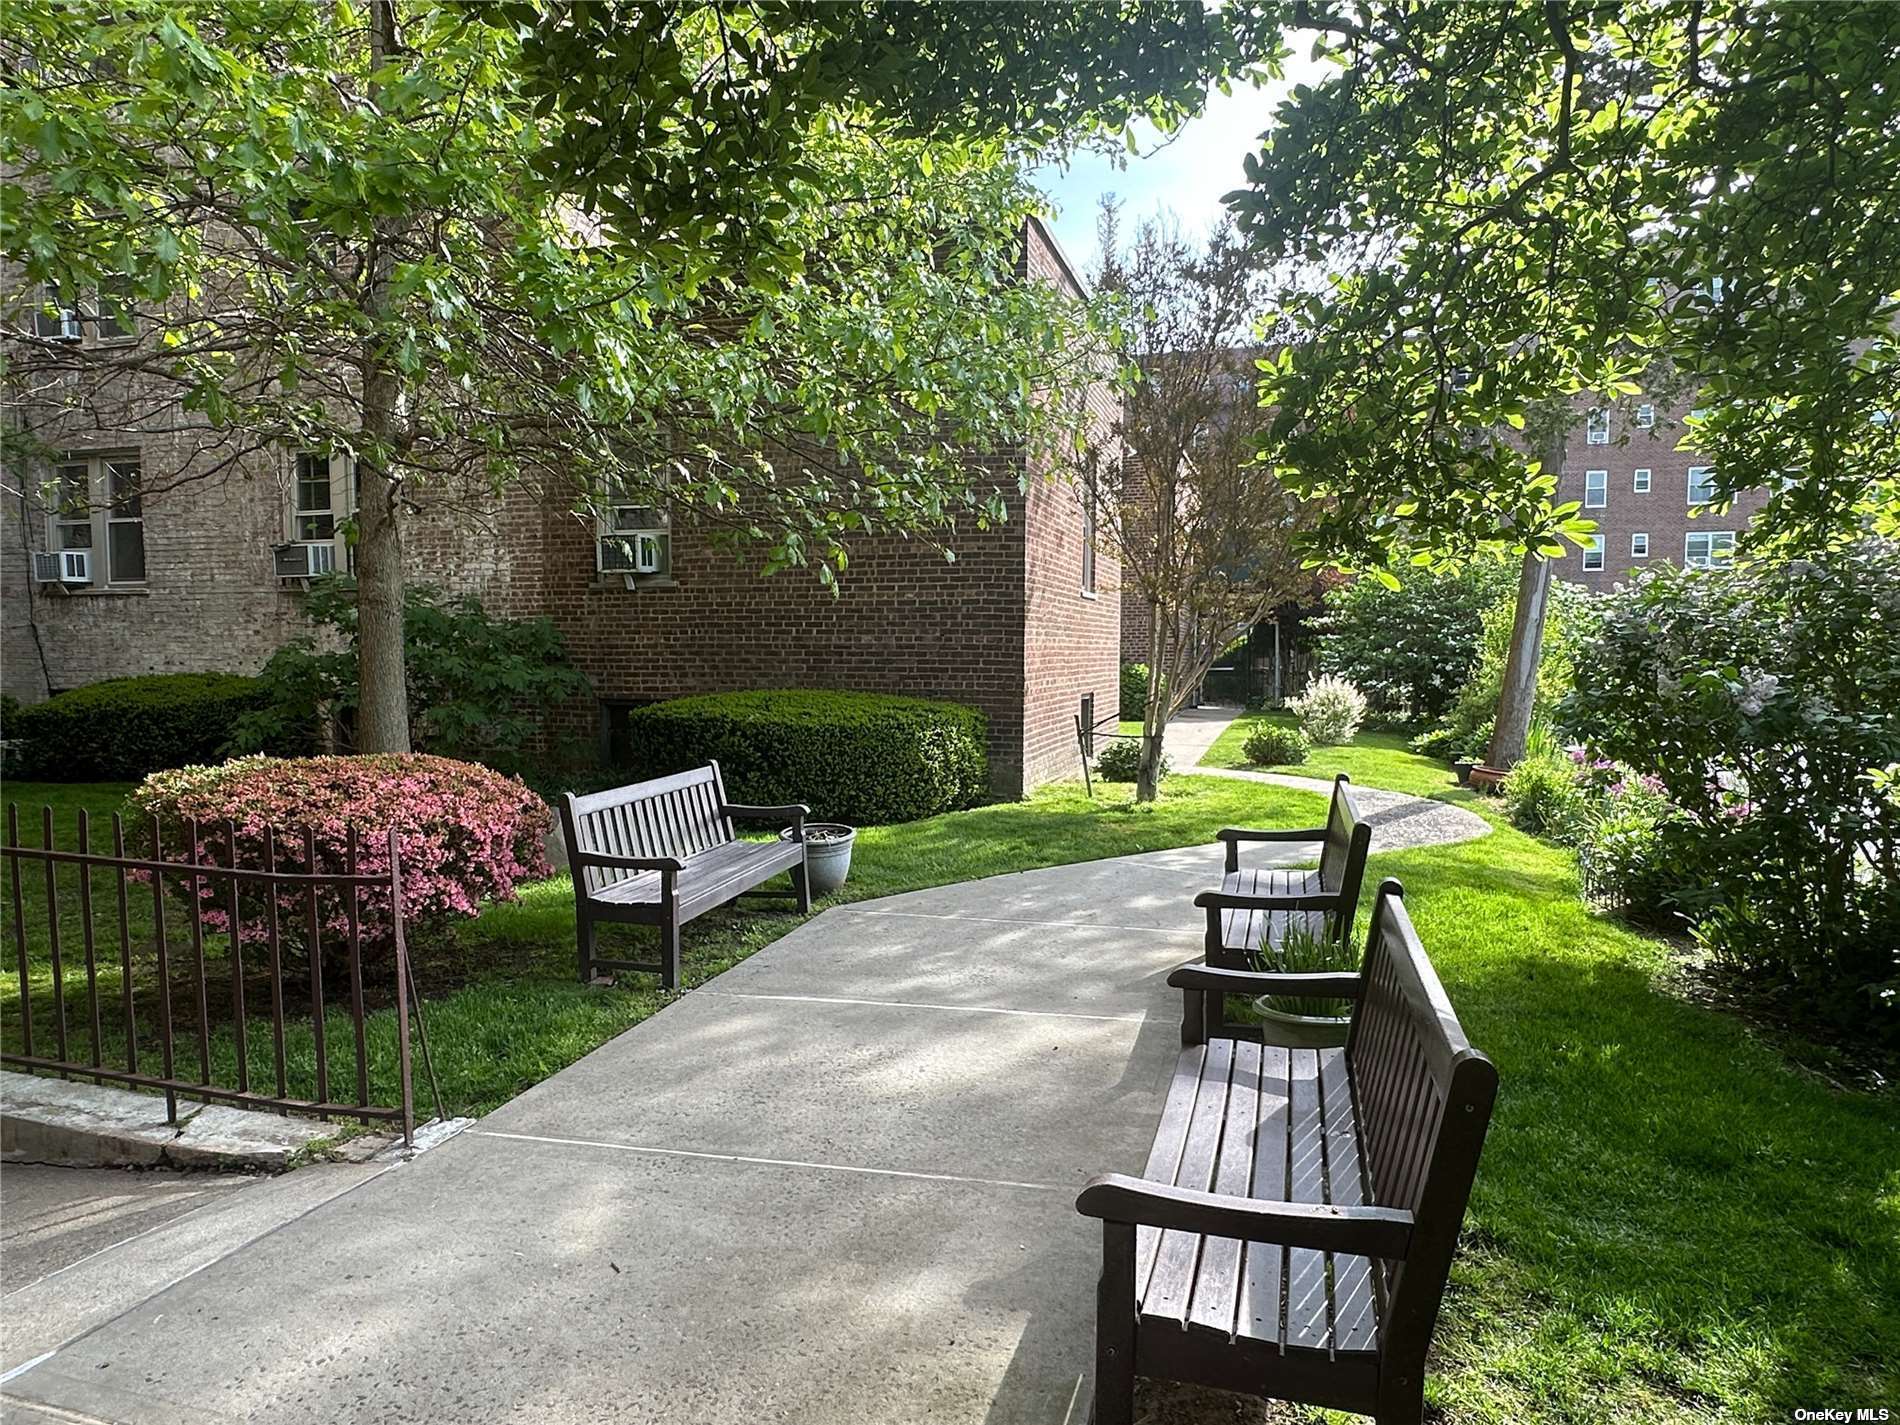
x,y
1647,498
1022,625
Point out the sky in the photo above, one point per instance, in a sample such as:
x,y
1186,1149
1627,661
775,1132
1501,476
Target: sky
x,y
1185,176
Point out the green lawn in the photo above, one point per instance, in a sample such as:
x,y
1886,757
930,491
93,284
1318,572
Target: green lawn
x,y
1671,1223
1373,759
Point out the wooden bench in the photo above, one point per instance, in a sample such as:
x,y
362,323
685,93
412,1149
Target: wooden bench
x,y
663,852
1292,1232
1256,906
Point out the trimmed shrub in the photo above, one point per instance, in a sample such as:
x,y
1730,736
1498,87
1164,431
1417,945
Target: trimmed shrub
x,y
465,835
862,758
1434,742
1120,761
125,728
1134,692
1330,710
1271,745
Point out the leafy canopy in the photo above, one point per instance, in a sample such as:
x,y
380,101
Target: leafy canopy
x,y
1495,205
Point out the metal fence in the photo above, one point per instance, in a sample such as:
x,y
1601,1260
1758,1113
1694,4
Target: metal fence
x,y
170,1002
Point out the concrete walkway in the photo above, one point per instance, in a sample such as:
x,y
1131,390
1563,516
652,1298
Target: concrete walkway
x,y
834,1186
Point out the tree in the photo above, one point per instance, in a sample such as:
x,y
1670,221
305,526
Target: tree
x,y
1516,203
330,230
1204,535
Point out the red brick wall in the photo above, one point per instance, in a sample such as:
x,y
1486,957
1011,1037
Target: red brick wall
x,y
1664,514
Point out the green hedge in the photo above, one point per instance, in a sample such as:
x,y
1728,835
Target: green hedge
x,y
862,758
1134,692
126,728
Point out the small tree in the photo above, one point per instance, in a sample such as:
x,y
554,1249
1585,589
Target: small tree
x,y
1412,647
1204,535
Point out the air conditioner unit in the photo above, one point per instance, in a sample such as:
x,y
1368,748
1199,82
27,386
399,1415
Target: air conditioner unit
x,y
62,566
309,560
639,552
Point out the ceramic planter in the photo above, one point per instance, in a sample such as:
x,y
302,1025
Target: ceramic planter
x,y
827,854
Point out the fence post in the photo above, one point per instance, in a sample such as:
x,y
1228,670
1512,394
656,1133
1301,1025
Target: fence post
x,y
402,997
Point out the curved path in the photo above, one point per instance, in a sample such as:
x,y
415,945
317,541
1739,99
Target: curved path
x,y
834,1186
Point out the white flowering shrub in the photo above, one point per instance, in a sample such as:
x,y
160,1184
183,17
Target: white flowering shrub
x,y
1330,711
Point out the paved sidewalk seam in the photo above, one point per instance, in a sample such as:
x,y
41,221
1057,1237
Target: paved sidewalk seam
x,y
854,1168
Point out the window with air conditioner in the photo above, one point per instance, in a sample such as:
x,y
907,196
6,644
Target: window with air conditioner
x,y
322,499
55,317
1639,546
1645,417
1596,427
1701,484
95,523
634,540
1642,481
1592,552
1596,489
1708,549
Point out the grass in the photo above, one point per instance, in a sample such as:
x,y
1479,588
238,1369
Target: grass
x,y
1671,1223
502,1005
1372,759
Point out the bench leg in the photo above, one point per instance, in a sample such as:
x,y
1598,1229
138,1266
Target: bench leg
x,y
801,886
585,933
1115,1328
670,955
1401,1402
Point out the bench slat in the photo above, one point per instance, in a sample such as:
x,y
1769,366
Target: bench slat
x,y
1217,1285
1265,1268
1354,1325
1164,1158
1307,1322
657,787
1171,1285
1243,930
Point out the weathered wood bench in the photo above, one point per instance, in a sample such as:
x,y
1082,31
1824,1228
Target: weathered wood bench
x,y
1259,906
663,852
1293,1230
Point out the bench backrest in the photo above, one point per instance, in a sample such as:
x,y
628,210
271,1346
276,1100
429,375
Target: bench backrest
x,y
680,815
1425,1099
1342,855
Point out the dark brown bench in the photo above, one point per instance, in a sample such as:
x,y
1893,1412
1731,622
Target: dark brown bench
x,y
1292,1232
1253,906
663,852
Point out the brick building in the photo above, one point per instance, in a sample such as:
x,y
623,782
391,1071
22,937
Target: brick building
x,y
1022,625
1648,498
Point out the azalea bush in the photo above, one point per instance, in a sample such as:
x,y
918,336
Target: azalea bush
x,y
465,835
1762,700
1330,711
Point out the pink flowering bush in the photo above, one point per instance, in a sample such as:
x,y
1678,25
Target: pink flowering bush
x,y
464,835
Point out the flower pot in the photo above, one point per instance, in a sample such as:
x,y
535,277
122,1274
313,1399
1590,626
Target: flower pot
x,y
827,854
1300,1031
1463,768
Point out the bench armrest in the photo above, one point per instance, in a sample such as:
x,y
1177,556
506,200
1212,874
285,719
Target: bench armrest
x,y
1363,1231
625,863
1323,984
1241,833
1236,900
792,814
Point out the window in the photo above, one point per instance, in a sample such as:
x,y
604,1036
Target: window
x,y
1642,480
1708,549
54,318
1088,541
313,505
1701,485
98,506
116,319
322,498
1596,428
1596,489
632,540
1645,417
1639,546
1715,289
1592,552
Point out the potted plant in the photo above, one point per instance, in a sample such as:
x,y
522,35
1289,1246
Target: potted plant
x,y
827,854
1463,768
1305,1023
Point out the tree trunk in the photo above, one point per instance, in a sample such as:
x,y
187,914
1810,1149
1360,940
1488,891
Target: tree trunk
x,y
1154,714
382,712
1518,697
